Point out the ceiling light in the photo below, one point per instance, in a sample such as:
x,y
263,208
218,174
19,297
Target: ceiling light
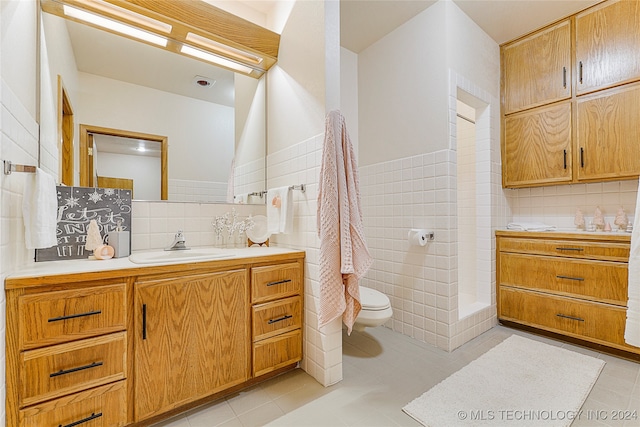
x,y
128,15
209,57
114,26
223,49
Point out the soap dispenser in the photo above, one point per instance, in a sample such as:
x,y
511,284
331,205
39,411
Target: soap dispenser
x,y
119,241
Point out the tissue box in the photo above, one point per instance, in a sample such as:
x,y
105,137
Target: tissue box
x,y
119,241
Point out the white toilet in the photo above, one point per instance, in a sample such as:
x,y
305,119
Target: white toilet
x,y
376,309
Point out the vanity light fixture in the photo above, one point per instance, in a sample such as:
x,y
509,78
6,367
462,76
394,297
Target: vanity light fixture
x,y
127,15
210,57
114,26
194,28
225,50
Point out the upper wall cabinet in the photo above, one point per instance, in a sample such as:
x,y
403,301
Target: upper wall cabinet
x,y
537,69
552,134
608,45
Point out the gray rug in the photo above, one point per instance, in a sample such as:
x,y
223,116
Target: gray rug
x,y
519,382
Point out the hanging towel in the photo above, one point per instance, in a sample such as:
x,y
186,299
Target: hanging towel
x,y
39,210
632,329
279,210
241,199
344,258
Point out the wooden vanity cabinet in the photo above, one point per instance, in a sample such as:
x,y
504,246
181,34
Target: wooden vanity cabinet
x,y
192,338
573,285
115,348
66,354
277,303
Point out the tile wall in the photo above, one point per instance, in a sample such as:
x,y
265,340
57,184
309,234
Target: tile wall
x,y
556,205
300,164
249,178
19,144
154,224
184,190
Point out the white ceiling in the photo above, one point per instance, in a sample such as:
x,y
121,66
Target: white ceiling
x,y
362,23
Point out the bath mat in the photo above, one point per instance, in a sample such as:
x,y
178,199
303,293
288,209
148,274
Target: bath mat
x,y
519,382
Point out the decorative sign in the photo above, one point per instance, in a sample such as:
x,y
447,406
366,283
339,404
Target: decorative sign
x,y
77,206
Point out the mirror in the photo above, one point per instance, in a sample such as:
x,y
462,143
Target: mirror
x,y
213,119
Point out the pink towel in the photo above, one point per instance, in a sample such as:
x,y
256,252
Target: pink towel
x,y
344,257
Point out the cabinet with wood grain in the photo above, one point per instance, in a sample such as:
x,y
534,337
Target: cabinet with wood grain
x,y
583,130
571,284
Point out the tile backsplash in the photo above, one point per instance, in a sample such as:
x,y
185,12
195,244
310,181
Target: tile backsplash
x,y
154,224
556,205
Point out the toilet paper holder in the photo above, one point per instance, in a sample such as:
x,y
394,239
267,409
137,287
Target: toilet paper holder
x,y
420,237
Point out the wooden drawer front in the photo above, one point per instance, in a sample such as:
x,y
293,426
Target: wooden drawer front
x,y
566,248
275,281
595,280
277,352
67,368
55,317
276,317
104,406
582,319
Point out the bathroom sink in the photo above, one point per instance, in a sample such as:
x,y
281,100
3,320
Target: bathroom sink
x,y
195,254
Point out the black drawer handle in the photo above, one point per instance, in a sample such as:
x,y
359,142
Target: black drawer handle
x,y
279,282
82,421
279,319
564,77
581,157
79,368
564,159
564,316
144,321
578,279
570,249
580,72
73,316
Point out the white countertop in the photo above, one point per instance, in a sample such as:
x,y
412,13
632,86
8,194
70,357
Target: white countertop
x,y
49,268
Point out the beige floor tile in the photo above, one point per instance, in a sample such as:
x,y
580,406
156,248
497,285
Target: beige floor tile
x,y
383,371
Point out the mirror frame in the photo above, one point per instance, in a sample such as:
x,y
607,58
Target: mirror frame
x,y
85,135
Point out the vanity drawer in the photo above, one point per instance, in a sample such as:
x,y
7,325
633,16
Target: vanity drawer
x,y
275,281
597,322
594,280
51,372
103,406
61,316
572,249
277,352
276,317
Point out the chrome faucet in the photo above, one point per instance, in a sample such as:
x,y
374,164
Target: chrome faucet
x,y
178,243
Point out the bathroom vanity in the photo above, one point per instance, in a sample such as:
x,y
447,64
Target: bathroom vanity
x,y
123,343
572,285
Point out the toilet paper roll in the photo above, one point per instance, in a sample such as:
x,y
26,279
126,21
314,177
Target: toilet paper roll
x,y
418,237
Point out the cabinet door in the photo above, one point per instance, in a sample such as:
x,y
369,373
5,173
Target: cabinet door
x,y
608,134
192,339
607,45
537,69
537,146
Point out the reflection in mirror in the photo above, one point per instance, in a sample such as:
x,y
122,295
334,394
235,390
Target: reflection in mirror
x,y
118,83
121,159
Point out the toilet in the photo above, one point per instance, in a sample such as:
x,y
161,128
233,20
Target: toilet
x,y
376,309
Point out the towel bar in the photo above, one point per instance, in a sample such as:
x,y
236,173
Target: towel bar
x,y
300,187
10,167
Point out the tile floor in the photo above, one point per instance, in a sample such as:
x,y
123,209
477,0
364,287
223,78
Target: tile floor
x,y
383,371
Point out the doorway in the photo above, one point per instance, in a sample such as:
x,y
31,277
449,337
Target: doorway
x,y
118,142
